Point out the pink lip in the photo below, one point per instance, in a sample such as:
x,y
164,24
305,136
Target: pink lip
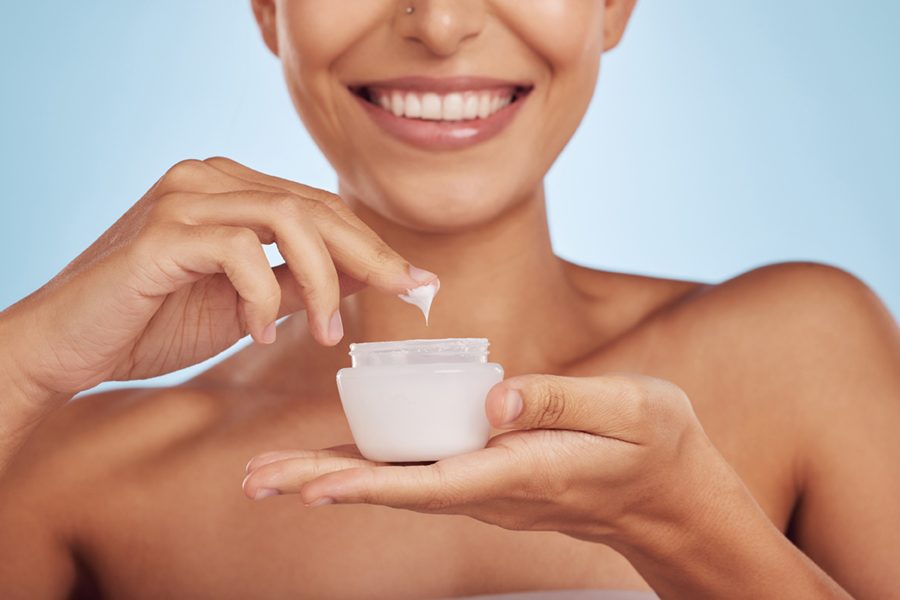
x,y
443,85
436,135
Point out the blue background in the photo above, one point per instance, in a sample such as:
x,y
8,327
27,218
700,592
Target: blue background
x,y
724,135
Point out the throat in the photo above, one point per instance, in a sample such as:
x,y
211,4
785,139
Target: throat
x,y
500,281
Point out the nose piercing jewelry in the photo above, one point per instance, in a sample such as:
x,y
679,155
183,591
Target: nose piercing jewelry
x,y
409,10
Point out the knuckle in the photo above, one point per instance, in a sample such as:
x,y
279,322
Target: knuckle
x,y
313,206
673,404
264,296
332,201
286,206
217,160
317,194
654,404
185,171
166,206
638,403
552,406
240,237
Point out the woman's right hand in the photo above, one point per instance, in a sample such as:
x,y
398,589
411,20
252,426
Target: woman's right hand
x,y
183,275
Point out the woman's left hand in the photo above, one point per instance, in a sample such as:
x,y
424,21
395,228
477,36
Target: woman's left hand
x,y
601,459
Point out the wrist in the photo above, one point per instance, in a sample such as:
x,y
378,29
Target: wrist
x,y
24,398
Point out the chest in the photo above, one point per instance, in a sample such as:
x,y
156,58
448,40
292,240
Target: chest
x,y
188,528
279,548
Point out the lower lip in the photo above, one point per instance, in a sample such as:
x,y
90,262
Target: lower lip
x,y
443,135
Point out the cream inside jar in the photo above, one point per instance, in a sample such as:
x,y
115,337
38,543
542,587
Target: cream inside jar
x,y
418,400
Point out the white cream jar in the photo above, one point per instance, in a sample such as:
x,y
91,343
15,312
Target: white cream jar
x,y
418,400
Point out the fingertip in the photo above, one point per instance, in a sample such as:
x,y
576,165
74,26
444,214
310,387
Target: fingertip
x,y
268,334
493,404
248,490
324,500
422,277
512,407
313,490
319,328
335,327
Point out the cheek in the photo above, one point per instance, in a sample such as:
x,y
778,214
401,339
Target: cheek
x,y
567,36
564,33
314,33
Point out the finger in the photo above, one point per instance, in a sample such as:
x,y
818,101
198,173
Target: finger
x,y
616,406
245,173
197,176
286,220
449,485
292,293
365,257
183,254
243,208
274,216
289,475
346,451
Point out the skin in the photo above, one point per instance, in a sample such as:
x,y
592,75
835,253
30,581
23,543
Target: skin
x,y
754,455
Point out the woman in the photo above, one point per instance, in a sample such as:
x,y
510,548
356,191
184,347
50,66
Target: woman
x,y
754,456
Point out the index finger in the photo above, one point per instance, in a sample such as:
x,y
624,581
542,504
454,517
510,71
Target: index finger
x,y
356,249
333,201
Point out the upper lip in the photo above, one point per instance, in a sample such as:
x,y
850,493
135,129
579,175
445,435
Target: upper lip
x,y
441,85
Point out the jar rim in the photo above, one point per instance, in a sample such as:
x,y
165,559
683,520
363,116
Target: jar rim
x,y
456,345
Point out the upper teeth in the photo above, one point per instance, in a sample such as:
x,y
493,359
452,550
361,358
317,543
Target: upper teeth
x,y
430,106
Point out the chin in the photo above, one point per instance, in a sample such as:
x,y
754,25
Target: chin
x,y
442,203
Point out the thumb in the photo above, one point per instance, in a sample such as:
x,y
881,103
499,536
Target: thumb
x,y
610,406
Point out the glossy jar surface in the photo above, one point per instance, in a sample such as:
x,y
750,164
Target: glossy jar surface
x,y
418,400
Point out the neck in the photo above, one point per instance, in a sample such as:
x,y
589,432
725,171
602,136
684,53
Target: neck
x,y
499,281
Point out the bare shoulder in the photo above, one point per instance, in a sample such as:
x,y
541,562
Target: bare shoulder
x,y
817,316
119,426
74,460
803,333
818,352
119,438
95,438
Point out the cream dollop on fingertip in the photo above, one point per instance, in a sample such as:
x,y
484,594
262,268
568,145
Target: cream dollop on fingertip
x,y
422,297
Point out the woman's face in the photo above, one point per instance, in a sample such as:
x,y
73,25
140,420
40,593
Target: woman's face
x,y
443,117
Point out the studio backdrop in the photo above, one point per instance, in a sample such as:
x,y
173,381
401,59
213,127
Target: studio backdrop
x,y
723,136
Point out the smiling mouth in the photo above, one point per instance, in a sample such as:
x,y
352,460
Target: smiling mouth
x,y
438,106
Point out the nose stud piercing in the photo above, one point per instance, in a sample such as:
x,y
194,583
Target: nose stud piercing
x,y
409,10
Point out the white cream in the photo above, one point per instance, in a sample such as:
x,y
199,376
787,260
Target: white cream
x,y
422,297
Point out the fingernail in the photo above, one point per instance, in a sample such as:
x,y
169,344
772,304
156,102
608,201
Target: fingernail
x,y
421,275
321,501
268,334
263,493
336,327
512,406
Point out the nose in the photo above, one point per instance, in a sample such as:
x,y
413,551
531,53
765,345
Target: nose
x,y
441,26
